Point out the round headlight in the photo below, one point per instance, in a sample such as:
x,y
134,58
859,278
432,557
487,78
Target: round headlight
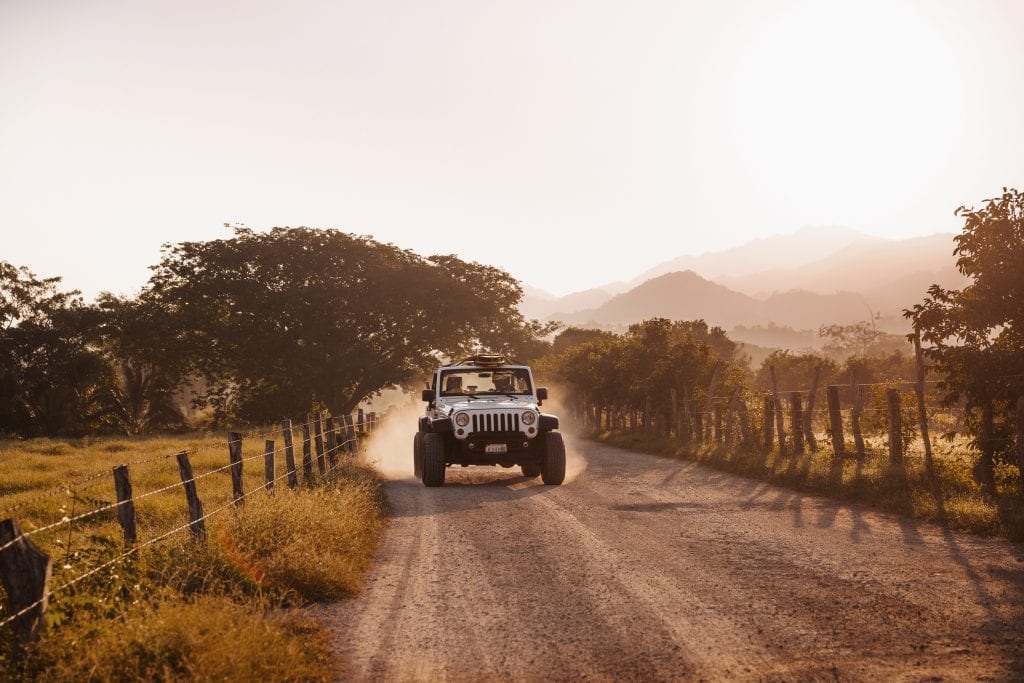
x,y
529,417
462,419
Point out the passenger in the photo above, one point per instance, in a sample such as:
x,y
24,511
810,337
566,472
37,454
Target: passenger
x,y
453,385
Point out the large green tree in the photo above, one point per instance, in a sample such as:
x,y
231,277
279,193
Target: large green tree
x,y
275,319
53,378
975,335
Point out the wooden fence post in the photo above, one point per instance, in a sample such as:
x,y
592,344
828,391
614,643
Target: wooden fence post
x,y
125,504
730,416
780,418
332,442
673,401
235,453
360,419
769,422
858,406
307,454
350,434
712,385
812,440
797,421
892,398
719,437
686,423
647,414
741,405
1020,441
269,465
835,418
197,522
922,412
289,453
373,422
318,439
24,574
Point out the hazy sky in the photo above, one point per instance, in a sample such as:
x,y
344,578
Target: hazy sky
x,y
571,143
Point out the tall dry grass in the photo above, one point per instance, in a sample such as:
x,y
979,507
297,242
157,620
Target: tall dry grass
x,y
948,496
181,610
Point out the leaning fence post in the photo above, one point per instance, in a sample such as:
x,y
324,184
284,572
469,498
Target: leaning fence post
x,y
797,421
769,422
125,504
235,454
835,418
24,574
269,466
196,519
318,438
922,413
307,454
332,441
892,398
289,453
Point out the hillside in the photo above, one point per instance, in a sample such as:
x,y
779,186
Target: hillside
x,y
687,296
860,277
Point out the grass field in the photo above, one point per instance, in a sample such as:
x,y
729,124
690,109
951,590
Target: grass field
x,y
949,497
179,609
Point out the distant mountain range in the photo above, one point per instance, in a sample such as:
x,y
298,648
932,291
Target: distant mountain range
x,y
818,276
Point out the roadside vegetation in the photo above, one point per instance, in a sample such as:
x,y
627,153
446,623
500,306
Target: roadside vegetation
x,y
684,389
179,609
949,495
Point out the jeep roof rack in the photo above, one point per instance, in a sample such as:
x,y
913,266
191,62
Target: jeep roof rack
x,y
485,359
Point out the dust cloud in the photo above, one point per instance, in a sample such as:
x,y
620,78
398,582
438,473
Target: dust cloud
x,y
575,463
389,449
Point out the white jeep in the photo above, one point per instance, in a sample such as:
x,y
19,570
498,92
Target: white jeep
x,y
485,410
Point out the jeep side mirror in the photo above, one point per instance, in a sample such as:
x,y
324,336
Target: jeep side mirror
x,y
542,393
428,395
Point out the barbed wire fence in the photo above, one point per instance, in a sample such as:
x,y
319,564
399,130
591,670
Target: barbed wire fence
x,y
898,411
26,571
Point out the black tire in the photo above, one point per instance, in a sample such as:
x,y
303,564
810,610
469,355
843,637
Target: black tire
x,y
552,469
531,471
433,459
417,455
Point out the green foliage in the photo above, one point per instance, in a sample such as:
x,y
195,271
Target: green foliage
x,y
794,372
646,363
293,312
974,336
52,377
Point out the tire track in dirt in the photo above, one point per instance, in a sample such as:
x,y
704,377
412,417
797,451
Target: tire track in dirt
x,y
646,568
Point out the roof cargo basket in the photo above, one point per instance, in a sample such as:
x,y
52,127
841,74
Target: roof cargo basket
x,y
485,359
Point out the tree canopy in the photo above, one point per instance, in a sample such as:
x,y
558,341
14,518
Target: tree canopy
x,y
975,335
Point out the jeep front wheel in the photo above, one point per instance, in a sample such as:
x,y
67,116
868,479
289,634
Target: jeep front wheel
x,y
552,469
417,455
433,459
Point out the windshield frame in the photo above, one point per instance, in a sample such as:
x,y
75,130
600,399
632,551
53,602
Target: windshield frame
x,y
519,373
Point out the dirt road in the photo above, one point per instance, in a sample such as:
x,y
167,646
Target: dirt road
x,y
646,568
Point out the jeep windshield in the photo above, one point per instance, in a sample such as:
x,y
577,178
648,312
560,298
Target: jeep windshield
x,y
499,381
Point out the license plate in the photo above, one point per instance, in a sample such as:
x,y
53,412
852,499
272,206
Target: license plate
x,y
496,448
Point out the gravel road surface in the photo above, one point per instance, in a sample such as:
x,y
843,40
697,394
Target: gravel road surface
x,y
645,568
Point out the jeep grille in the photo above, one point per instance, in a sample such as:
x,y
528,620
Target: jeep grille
x,y
496,422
